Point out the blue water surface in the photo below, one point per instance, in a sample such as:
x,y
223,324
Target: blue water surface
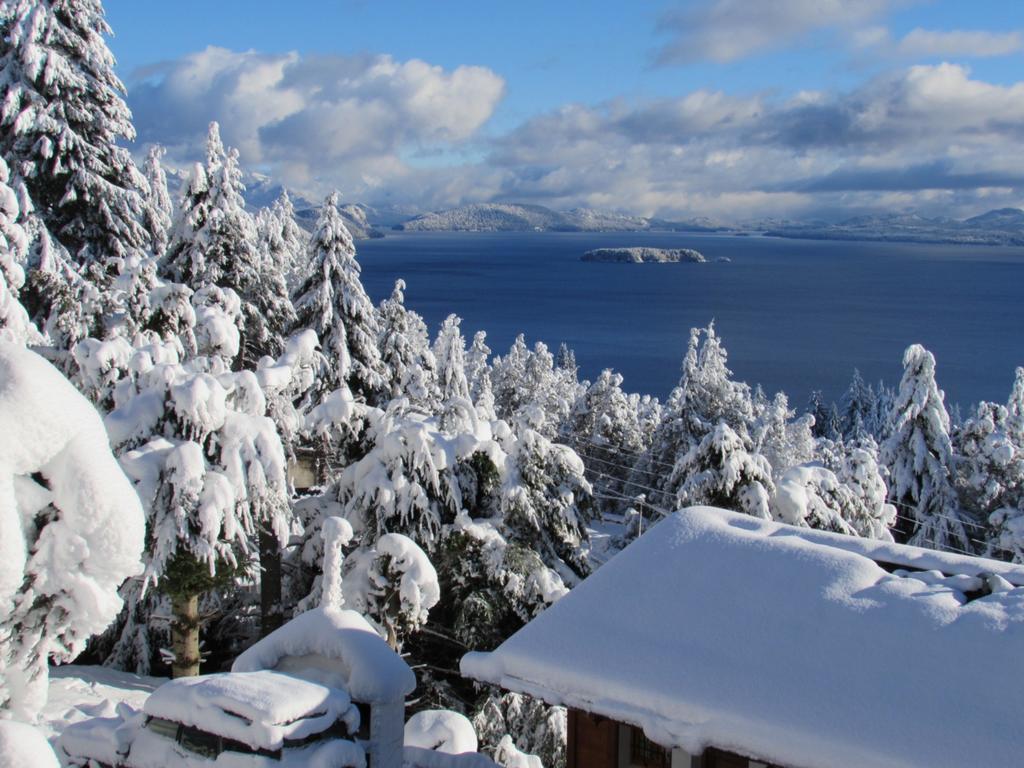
x,y
795,315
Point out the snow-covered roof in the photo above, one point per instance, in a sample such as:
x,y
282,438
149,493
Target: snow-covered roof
x,y
335,647
260,709
785,644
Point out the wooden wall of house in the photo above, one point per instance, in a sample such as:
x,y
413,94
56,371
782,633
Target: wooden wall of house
x,y
593,741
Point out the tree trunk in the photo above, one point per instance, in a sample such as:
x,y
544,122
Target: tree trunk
x,y
185,635
270,582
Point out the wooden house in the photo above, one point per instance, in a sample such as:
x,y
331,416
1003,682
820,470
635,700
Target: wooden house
x,y
717,640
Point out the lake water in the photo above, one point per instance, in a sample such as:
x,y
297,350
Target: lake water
x,y
795,315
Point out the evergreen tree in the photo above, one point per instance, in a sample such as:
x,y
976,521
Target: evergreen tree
x,y
405,353
284,240
990,468
158,210
784,441
477,367
15,325
919,457
705,397
63,115
858,406
546,500
722,471
215,242
605,430
333,303
457,412
1015,411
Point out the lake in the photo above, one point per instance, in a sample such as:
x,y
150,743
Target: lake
x,y
795,315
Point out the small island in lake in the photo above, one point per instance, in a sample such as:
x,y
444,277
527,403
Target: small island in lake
x,y
645,255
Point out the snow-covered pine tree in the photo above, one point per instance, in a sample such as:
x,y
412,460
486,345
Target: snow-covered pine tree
x,y
63,116
333,303
208,465
457,411
15,325
405,352
782,439
1015,410
477,366
508,377
604,428
158,210
705,397
919,457
394,584
546,501
858,407
284,240
214,242
723,471
990,468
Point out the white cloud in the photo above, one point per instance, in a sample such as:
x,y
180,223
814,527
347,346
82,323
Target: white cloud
x,y
408,132
727,30
922,43
311,120
968,43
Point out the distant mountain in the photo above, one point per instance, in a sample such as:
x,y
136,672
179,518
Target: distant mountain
x,y
513,217
1000,227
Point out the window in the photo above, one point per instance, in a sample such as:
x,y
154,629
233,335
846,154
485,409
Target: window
x,y
644,752
200,742
165,728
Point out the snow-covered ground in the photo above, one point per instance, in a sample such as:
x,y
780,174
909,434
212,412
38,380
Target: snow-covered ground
x,y
80,692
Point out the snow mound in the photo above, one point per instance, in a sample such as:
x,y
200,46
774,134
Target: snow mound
x,y
260,709
337,648
60,571
791,645
22,746
418,757
441,730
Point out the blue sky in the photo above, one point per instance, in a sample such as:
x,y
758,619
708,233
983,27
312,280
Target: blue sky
x,y
727,108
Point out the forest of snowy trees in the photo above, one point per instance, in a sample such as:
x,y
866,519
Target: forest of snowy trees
x,y
222,346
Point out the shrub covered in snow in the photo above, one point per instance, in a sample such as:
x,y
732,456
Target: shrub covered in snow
x,y
71,526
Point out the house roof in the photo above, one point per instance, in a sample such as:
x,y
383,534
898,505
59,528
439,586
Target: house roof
x,y
337,648
793,646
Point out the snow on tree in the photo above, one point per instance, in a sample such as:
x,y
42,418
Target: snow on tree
x,y
723,471
214,243
990,477
871,516
478,370
565,360
63,117
546,500
394,584
71,527
784,441
208,465
851,502
919,457
284,240
858,407
405,353
508,376
333,303
539,729
1015,410
404,483
705,397
457,413
605,430
159,210
15,324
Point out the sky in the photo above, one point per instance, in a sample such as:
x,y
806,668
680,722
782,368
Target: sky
x,y
730,109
